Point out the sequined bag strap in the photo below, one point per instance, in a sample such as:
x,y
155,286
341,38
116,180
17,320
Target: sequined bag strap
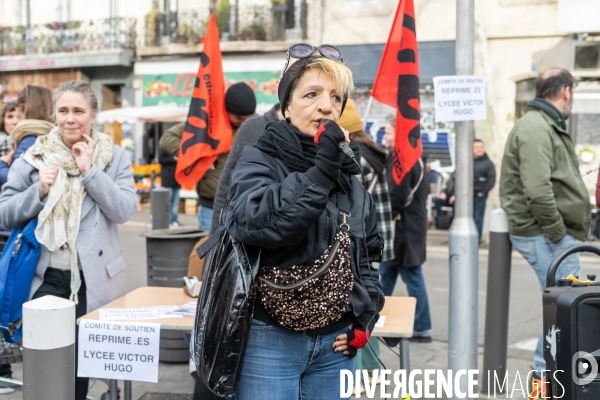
x,y
319,272
343,203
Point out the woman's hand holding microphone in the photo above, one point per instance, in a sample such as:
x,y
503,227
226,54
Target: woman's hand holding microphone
x,y
329,157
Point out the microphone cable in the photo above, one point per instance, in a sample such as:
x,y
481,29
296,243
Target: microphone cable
x,y
366,248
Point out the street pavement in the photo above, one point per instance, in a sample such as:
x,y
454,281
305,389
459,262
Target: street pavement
x,y
524,319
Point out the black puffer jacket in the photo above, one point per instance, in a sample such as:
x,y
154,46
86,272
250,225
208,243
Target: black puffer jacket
x,y
484,175
294,220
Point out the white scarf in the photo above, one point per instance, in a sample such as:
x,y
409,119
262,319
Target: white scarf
x,y
58,222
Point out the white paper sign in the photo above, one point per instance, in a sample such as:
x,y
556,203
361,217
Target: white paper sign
x,y
118,350
126,314
186,310
380,321
459,98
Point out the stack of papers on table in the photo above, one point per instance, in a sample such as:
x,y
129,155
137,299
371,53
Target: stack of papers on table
x,y
124,314
186,310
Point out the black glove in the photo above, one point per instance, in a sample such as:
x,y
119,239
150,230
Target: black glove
x,y
329,158
328,138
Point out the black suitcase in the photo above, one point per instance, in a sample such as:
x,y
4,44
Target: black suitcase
x,y
571,315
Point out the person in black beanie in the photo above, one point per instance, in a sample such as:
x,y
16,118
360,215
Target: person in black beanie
x,y
240,103
292,195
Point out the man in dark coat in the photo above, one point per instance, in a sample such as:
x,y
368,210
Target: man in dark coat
x,y
484,175
168,165
410,214
247,135
240,103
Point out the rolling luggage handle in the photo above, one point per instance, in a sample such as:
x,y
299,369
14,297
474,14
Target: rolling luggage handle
x,y
576,248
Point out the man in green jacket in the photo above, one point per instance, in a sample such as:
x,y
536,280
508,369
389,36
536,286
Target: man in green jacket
x,y
541,189
240,104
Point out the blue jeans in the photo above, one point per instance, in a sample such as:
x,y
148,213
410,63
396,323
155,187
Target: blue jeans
x,y
479,212
415,284
204,217
174,204
539,252
282,364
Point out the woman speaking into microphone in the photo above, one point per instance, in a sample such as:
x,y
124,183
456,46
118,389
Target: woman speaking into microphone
x,y
295,196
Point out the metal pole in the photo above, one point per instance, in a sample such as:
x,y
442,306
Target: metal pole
x,y
113,389
462,324
160,203
28,5
156,140
322,27
128,390
496,310
152,179
49,349
367,111
113,8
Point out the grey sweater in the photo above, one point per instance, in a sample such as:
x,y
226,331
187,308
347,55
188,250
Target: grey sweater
x,y
247,135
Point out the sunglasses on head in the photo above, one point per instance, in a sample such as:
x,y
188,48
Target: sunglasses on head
x,y
304,50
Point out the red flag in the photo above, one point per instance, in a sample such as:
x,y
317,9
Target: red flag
x,y
207,130
397,85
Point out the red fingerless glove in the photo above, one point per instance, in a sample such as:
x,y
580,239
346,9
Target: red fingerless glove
x,y
322,127
357,339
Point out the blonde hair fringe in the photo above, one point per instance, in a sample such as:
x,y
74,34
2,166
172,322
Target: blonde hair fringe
x,y
341,74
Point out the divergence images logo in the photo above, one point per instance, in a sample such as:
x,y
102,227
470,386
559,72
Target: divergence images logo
x,y
584,368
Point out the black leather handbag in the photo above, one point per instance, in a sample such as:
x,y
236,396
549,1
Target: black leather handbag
x,y
225,309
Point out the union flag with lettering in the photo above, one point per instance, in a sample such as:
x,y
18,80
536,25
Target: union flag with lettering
x,y
397,85
207,129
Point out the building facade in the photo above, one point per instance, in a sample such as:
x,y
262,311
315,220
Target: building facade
x,y
146,52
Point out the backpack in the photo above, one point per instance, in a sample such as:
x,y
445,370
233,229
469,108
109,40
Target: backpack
x,y
17,267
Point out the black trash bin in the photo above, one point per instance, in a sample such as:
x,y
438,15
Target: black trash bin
x,y
167,252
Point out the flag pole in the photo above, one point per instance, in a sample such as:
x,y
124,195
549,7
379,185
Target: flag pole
x,y
367,111
464,244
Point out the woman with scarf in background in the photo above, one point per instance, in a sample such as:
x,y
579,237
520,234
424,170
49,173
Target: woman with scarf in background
x,y
79,186
9,118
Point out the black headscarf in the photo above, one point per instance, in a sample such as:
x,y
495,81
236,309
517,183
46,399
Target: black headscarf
x,y
298,150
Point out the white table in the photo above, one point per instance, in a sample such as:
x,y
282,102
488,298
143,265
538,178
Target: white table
x,y
398,326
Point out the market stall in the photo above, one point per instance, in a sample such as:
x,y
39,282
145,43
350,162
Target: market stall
x,y
151,117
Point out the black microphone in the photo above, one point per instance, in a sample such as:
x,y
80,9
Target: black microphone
x,y
344,148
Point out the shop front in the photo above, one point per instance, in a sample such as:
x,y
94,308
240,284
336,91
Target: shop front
x,y
170,83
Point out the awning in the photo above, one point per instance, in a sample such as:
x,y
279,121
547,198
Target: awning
x,y
143,114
